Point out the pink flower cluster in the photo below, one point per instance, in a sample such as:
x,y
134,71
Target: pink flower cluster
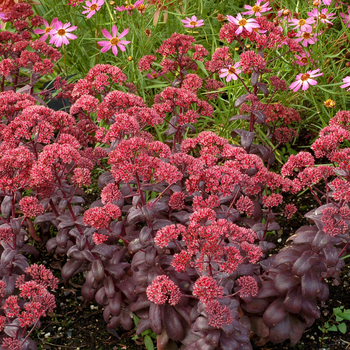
x,y
163,290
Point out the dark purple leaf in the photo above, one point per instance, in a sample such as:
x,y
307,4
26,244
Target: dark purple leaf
x,y
126,319
115,304
260,115
51,244
247,137
155,317
109,287
70,269
101,297
304,263
143,325
105,179
254,78
275,313
128,289
240,100
320,241
293,300
134,216
309,308
172,323
98,270
240,117
7,255
311,286
281,331
103,249
263,88
285,280
6,206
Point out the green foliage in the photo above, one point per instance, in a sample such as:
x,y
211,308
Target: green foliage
x,y
336,323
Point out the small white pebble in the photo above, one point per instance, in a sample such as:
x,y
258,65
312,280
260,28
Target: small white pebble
x,y
279,240
59,328
47,335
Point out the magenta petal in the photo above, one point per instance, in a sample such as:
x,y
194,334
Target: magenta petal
x,y
71,36
106,34
103,43
123,33
121,47
114,31
115,50
106,48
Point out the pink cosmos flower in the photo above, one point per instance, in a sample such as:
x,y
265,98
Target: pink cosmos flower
x,y
323,16
307,38
257,9
74,3
302,24
231,72
60,34
247,24
130,7
2,16
113,40
192,22
346,19
304,80
304,59
92,7
346,80
47,30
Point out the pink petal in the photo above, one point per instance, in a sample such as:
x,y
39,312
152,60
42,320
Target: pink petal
x,y
114,31
106,48
123,33
71,36
106,34
305,85
115,50
121,47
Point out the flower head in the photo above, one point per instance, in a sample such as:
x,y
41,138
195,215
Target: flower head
x,y
304,59
163,290
47,30
304,80
302,24
113,40
307,38
257,9
92,7
231,72
346,80
242,23
345,17
329,103
60,34
130,7
322,15
192,22
74,3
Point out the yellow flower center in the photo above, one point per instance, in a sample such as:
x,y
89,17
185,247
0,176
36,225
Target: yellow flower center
x,y
141,7
256,30
130,7
61,32
242,22
322,16
93,7
306,35
256,8
114,41
232,70
193,23
302,22
155,75
47,29
304,60
305,77
329,103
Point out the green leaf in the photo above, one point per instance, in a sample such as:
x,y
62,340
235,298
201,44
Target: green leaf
x,y
333,328
342,328
136,320
148,343
344,315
